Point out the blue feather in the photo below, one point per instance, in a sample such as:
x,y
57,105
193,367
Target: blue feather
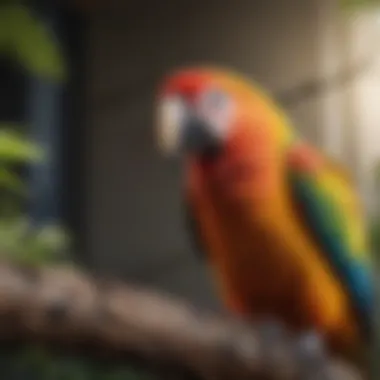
x,y
326,221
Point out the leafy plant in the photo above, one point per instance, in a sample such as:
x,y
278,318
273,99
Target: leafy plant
x,y
19,239
29,42
26,39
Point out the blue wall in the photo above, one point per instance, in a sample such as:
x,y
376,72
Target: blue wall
x,y
55,114
44,115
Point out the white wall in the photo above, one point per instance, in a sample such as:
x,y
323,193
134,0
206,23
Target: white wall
x,y
134,220
351,112
365,35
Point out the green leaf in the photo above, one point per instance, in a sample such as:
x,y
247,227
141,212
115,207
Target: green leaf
x,y
48,245
20,241
12,235
14,148
53,238
11,182
32,43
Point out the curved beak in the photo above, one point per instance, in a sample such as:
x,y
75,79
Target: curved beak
x,y
198,139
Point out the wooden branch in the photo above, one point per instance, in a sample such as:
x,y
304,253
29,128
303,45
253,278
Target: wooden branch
x,y
66,308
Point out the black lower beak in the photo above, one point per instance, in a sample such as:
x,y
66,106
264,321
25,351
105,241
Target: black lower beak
x,y
197,138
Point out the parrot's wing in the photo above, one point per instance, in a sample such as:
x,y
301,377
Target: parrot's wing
x,y
193,229
330,208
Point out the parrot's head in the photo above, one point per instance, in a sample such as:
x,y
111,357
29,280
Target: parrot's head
x,y
225,127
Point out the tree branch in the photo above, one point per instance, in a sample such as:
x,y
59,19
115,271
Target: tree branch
x,y
66,308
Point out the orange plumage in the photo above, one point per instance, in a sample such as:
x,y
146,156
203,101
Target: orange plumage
x,y
257,254
265,261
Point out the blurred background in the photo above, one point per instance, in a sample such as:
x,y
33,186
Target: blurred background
x,y
79,170
78,79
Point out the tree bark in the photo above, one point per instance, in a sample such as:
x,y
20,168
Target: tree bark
x,y
63,307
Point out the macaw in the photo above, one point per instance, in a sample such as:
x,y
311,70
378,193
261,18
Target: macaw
x,y
280,223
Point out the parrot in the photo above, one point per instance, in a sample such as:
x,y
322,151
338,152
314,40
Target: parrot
x,y
279,222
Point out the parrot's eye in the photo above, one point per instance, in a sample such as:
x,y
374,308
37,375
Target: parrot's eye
x,y
216,108
171,115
